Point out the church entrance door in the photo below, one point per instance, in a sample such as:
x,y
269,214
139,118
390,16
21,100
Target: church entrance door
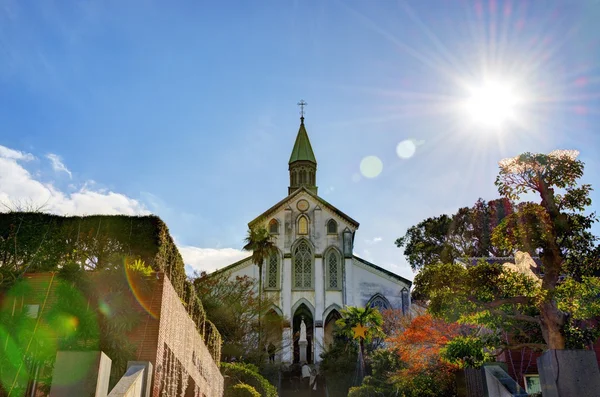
x,y
303,313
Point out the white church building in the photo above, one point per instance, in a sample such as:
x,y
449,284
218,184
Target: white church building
x,y
315,274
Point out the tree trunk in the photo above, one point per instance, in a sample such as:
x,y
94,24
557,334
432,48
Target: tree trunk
x,y
552,322
552,319
260,347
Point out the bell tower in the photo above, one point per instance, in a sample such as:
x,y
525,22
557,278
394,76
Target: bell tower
x,y
302,164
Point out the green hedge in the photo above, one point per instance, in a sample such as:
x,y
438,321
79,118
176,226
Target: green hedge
x,y
33,242
241,390
240,373
364,391
38,242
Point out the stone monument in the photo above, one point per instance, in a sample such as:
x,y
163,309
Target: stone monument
x,y
302,342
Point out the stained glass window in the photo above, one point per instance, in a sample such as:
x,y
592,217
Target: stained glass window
x,y
332,265
303,266
273,271
303,225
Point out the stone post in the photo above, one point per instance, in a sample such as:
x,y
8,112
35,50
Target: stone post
x,y
303,346
80,373
565,373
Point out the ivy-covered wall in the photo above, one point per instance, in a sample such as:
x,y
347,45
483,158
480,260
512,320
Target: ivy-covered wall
x,y
37,242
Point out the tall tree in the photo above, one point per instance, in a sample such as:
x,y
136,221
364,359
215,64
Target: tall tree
x,y
260,242
557,228
231,304
467,233
368,317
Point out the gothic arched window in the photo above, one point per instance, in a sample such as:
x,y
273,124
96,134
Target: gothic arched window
x,y
274,226
334,270
379,303
331,227
303,225
303,266
273,271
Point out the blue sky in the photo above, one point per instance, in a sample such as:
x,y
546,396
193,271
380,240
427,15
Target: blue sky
x,y
189,110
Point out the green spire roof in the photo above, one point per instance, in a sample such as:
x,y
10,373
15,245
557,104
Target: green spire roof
x,y
302,150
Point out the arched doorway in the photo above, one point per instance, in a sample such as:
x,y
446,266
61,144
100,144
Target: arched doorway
x,y
303,312
330,328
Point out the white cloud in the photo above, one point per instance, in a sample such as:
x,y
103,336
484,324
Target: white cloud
x,y
58,165
14,154
374,240
210,259
18,185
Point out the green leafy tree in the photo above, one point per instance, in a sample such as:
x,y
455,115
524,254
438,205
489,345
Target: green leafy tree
x,y
232,305
536,313
466,352
467,233
557,228
261,244
368,317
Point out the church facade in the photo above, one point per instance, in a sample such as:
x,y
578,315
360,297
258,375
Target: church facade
x,y
315,273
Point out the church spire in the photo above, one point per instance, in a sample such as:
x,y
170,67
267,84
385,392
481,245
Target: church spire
x,y
302,164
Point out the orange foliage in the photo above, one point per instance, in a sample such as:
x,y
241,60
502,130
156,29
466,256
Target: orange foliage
x,y
418,347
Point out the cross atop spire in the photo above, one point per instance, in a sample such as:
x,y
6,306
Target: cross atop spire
x,y
302,104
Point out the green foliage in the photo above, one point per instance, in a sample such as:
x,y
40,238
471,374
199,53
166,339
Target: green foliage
x,y
37,242
368,317
445,238
241,390
484,294
426,385
261,244
466,352
580,299
233,306
241,373
556,229
364,391
338,365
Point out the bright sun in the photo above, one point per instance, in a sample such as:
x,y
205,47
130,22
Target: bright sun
x,y
492,104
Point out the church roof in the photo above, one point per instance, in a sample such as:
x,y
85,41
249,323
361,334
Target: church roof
x,y
302,150
296,192
382,270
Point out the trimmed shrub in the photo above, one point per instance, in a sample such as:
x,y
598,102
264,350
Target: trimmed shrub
x,y
235,373
364,391
241,390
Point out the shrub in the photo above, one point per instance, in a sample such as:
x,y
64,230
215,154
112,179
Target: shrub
x,y
241,390
242,373
364,391
466,351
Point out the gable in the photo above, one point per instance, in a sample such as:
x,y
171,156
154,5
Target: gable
x,y
312,198
235,267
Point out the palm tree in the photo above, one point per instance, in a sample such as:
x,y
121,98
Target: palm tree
x,y
367,317
261,244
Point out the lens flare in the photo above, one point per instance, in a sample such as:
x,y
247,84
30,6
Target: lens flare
x,y
139,286
371,166
406,149
104,308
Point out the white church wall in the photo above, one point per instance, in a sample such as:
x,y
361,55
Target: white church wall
x,y
368,282
333,297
